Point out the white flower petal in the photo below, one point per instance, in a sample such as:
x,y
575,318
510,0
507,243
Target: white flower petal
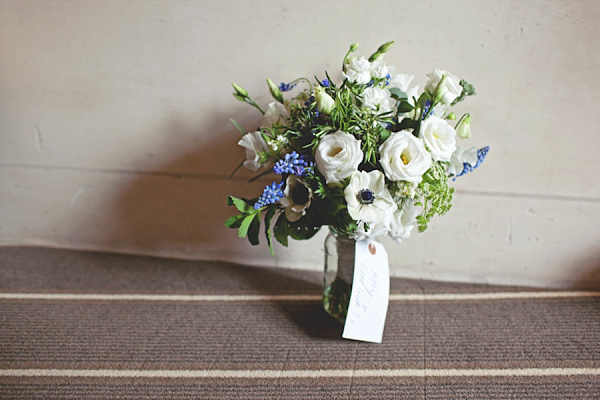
x,y
404,157
439,137
337,156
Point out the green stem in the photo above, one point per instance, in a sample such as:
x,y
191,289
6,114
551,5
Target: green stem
x,y
252,103
303,79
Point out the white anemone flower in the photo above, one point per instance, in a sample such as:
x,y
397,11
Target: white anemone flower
x,y
366,231
296,198
367,197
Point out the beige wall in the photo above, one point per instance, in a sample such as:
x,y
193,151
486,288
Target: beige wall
x,y
114,130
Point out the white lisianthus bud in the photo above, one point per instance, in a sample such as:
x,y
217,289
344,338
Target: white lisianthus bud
x,y
404,157
337,156
463,129
275,92
443,86
325,102
381,51
239,90
439,137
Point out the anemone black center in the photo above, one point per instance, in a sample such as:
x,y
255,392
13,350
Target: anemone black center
x,y
300,194
366,196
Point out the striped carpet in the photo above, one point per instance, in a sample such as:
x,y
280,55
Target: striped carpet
x,y
82,325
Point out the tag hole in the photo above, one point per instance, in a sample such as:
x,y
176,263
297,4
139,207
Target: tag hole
x,y
372,248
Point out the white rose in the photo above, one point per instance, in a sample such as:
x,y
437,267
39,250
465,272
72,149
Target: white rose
x,y
402,223
449,90
276,114
367,197
440,138
257,150
404,157
378,99
338,155
358,70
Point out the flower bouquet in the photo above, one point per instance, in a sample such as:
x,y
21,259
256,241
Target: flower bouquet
x,y
365,154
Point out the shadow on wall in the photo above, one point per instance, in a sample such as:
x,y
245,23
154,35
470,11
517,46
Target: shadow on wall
x,y
590,279
179,209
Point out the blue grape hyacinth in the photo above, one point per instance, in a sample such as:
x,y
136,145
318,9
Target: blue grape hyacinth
x,y
286,87
293,164
270,195
481,153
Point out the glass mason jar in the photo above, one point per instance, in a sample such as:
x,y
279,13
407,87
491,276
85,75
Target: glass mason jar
x,y
338,274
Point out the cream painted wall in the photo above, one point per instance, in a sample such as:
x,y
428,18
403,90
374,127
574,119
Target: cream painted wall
x,y
114,131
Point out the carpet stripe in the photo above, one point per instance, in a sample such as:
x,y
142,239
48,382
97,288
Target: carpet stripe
x,y
227,374
290,297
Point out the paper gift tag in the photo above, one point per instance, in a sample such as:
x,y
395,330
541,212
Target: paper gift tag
x,y
370,293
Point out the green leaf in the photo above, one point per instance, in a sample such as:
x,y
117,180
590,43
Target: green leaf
x,y
254,229
239,128
398,94
245,225
235,221
404,107
302,232
241,205
385,134
281,230
268,231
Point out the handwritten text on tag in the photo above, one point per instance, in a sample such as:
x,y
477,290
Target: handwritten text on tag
x,y
370,293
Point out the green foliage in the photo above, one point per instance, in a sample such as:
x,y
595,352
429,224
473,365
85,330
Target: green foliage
x,y
237,126
468,90
321,109
281,230
268,231
242,205
433,194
